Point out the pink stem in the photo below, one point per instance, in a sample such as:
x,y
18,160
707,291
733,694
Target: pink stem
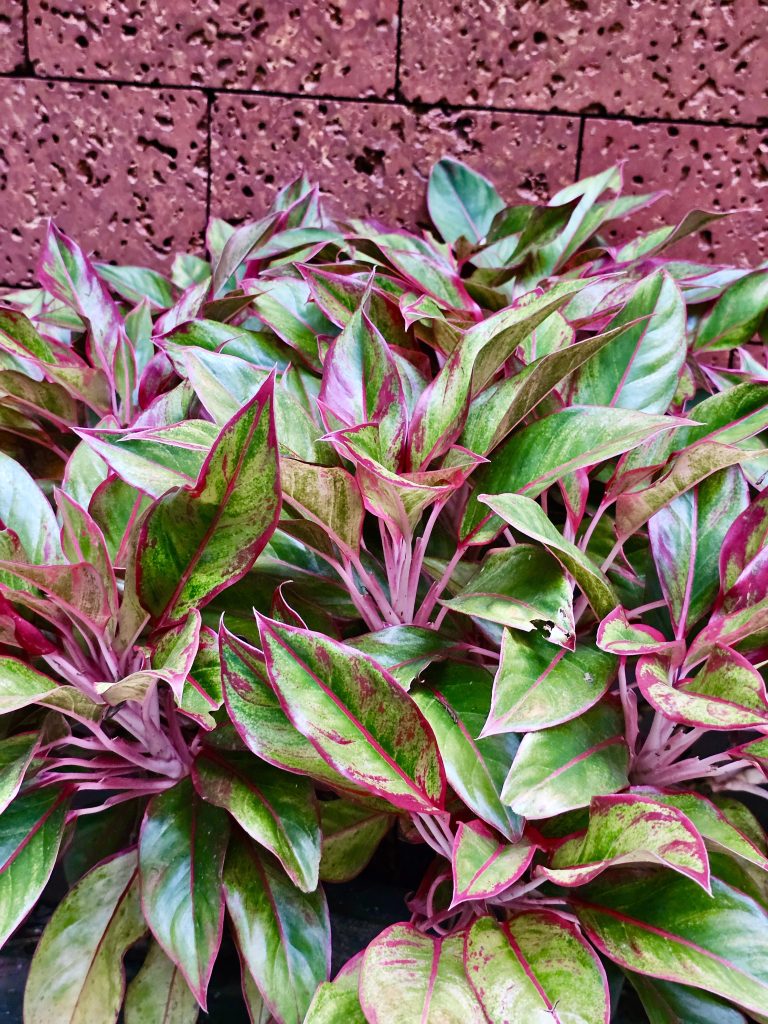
x,y
437,588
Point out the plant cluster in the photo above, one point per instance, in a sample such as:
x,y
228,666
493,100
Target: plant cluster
x,y
347,530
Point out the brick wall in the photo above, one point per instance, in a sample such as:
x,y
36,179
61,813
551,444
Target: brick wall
x,y
132,121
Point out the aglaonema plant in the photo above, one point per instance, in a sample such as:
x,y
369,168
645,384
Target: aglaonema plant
x,y
344,533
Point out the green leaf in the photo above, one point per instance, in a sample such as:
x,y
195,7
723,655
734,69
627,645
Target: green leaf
x,y
258,717
456,705
524,969
137,283
628,829
538,686
719,833
560,769
327,496
441,411
338,1000
687,537
31,829
484,867
526,516
181,855
461,202
351,835
25,510
639,369
408,976
77,976
285,307
664,925
728,693
518,587
276,809
503,404
197,540
736,315
357,717
21,685
667,1003
283,934
15,754
155,459
549,449
684,471
361,385
404,651
158,994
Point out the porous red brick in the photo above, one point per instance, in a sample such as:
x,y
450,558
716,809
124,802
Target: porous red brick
x,y
122,169
374,159
708,168
11,35
669,58
345,48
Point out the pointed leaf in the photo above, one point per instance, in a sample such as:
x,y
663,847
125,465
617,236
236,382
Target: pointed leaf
x,y
526,516
283,935
551,448
667,1003
524,969
461,202
404,651
503,404
630,829
15,754
719,833
258,717
639,369
68,274
159,994
25,510
334,696
483,866
361,384
196,540
338,999
666,926
518,587
538,686
456,706
351,834
684,471
563,768
31,829
441,412
328,496
275,809
181,854
77,973
21,685
620,636
736,315
408,976
687,537
728,693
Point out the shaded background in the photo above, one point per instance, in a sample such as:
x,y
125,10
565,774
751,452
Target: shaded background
x,y
133,121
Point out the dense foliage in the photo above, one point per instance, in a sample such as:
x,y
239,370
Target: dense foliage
x,y
348,530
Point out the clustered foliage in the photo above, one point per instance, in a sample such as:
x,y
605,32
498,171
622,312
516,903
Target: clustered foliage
x,y
348,530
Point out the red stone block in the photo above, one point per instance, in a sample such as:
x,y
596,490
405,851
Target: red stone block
x,y
669,58
701,167
11,35
374,159
345,48
121,169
